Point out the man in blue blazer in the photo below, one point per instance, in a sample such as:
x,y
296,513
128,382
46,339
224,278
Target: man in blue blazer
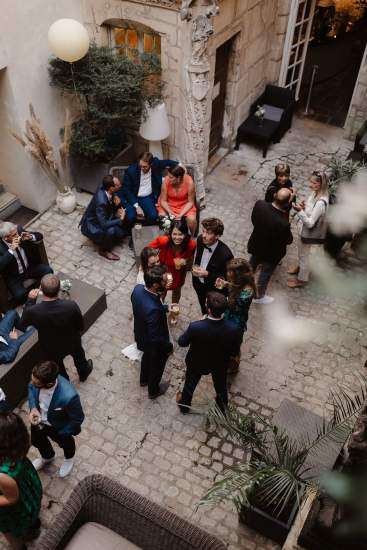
x,y
105,221
55,413
212,342
10,341
151,329
142,186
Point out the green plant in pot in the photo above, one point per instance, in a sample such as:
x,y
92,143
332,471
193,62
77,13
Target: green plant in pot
x,y
112,93
340,171
277,473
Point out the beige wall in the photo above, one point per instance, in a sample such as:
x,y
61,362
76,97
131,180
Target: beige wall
x,y
23,30
358,108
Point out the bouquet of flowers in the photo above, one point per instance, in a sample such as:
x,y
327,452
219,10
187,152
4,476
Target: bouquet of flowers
x,y
260,113
65,286
165,222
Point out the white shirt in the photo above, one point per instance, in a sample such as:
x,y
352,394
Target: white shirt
x,y
2,339
22,253
45,397
205,258
315,208
109,196
145,187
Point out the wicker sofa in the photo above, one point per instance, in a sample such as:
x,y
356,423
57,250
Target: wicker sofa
x,y
98,502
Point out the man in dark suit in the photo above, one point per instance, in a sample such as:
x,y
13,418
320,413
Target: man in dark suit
x,y
151,329
17,260
59,324
142,186
212,342
211,259
269,239
55,413
10,341
105,221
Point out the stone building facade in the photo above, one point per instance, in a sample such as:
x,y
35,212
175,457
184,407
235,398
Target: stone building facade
x,y
216,57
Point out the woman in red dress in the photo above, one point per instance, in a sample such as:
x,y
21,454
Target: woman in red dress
x,y
176,251
178,197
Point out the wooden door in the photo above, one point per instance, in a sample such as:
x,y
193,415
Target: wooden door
x,y
219,96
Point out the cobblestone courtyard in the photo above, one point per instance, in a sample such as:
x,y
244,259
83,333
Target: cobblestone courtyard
x,y
148,445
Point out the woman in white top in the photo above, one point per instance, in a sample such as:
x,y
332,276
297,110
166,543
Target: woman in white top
x,y
311,214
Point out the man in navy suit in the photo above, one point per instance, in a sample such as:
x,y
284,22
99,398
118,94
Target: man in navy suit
x,y
16,259
212,342
105,222
142,186
55,413
10,341
151,329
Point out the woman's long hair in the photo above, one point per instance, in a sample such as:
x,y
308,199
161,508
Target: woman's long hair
x,y
14,438
145,254
239,274
180,225
324,180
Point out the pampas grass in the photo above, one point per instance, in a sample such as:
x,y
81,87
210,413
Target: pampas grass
x,y
37,143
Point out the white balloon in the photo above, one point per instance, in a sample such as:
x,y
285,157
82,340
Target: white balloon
x,y
68,39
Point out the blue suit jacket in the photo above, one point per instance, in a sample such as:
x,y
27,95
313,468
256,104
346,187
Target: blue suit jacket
x,y
99,215
211,343
131,184
150,321
65,413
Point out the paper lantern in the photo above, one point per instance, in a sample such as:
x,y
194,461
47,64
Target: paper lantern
x,y
68,40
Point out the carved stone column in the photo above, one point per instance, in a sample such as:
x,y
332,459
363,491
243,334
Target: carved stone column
x,y
198,85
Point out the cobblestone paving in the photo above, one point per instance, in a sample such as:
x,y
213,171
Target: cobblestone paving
x,y
148,445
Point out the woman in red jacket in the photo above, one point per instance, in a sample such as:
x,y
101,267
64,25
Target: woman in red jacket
x,y
176,251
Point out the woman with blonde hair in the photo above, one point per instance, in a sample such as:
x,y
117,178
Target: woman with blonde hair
x,y
311,226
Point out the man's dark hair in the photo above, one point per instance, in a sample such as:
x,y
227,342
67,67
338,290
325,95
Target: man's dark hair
x,y
50,285
14,438
107,182
216,303
146,157
214,225
154,275
46,372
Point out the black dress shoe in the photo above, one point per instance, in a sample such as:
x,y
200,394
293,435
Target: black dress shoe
x,y
87,372
162,389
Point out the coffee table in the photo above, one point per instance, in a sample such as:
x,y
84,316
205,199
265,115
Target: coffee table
x,y
263,132
14,377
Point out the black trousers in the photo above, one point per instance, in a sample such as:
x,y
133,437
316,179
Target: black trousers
x,y
16,285
40,438
152,367
79,358
201,291
192,378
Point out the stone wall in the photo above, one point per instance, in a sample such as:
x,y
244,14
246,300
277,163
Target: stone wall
x,y
358,109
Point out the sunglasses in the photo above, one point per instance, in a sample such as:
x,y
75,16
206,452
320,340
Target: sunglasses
x,y
317,174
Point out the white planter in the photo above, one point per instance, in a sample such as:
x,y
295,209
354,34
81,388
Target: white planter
x,y
66,201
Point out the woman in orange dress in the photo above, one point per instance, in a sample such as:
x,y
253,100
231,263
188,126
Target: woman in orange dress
x,y
176,251
178,197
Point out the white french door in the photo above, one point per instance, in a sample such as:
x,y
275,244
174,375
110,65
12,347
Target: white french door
x,y
296,44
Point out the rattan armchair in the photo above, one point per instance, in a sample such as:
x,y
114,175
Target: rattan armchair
x,y
146,524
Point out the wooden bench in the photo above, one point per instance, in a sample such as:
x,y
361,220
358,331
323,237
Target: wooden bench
x,y
15,376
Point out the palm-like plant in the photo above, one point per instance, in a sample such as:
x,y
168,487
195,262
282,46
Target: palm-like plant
x,y
277,471
340,170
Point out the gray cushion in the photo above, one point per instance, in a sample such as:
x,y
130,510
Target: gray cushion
x,y
273,113
94,536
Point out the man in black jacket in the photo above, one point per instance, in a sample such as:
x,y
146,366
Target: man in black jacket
x,y
211,259
59,324
16,259
269,239
212,342
151,329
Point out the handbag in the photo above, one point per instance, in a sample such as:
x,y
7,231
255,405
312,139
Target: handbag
x,y
317,233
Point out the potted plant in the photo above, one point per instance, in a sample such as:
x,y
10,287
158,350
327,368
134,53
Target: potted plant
x,y
37,143
112,92
340,171
269,485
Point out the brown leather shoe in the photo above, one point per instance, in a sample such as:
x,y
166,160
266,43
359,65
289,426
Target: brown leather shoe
x,y
293,270
296,283
109,255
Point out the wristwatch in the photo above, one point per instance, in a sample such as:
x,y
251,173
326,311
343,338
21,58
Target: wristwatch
x,y
136,205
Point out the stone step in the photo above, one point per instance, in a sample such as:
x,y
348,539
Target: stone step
x,y
9,204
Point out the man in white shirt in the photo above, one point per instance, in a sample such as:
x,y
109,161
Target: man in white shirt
x,y
17,261
142,186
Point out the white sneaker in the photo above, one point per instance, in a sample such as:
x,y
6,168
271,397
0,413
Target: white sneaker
x,y
264,300
39,463
66,467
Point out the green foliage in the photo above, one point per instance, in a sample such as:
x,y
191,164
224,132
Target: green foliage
x,y
276,472
113,91
340,170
